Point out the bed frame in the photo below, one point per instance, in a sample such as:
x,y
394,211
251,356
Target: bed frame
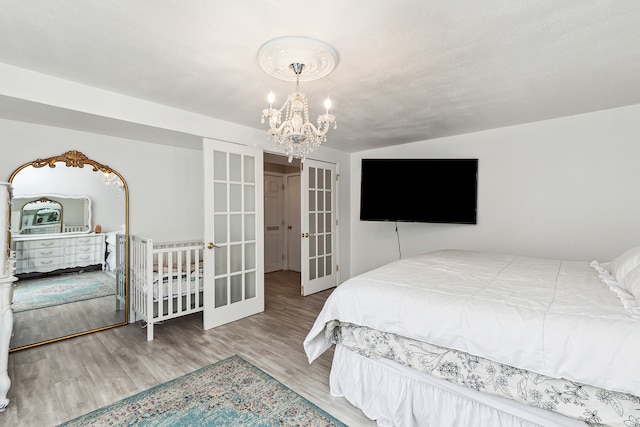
x,y
165,280
373,386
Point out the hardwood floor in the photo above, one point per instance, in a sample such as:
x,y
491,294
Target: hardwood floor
x,y
43,324
60,381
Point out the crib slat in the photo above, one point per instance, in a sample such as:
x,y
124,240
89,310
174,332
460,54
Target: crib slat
x,y
147,248
187,285
161,263
177,291
197,288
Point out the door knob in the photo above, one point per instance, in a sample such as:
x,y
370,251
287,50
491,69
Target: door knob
x,y
210,245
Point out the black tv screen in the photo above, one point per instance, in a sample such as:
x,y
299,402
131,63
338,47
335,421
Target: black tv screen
x,y
419,190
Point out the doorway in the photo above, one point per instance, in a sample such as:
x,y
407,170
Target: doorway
x,y
282,213
301,221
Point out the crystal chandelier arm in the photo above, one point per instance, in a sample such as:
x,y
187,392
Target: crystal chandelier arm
x,y
320,131
325,120
310,128
274,115
285,128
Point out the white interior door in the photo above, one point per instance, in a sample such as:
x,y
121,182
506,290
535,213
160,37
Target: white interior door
x,y
273,223
319,226
292,219
233,232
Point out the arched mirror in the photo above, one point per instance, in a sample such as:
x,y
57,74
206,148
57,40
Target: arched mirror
x,y
69,233
40,216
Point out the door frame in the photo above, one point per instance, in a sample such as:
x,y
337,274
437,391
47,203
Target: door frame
x,y
287,218
283,251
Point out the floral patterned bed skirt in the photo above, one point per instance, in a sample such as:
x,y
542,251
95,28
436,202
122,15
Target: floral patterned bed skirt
x,y
595,406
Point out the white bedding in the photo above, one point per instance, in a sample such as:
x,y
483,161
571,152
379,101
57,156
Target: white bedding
x,y
426,400
553,317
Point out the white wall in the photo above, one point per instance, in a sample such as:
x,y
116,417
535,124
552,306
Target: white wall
x,y
566,188
560,188
165,183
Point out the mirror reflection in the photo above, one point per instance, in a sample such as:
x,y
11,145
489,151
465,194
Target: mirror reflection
x,y
43,214
40,216
68,234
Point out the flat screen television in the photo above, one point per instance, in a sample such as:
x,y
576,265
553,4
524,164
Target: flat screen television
x,y
419,190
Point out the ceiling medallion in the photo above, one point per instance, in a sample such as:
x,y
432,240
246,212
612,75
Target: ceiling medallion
x,y
297,59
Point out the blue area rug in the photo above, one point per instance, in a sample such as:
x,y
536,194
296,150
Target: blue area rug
x,y
232,392
30,294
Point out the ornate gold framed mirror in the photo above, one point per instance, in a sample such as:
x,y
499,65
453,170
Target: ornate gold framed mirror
x,y
69,235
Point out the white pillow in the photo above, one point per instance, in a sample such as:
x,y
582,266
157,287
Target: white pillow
x,y
631,283
624,263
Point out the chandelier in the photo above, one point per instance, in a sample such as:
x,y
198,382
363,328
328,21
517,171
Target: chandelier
x,y
289,126
113,181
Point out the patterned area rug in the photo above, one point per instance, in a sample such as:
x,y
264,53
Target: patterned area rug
x,y
231,392
30,294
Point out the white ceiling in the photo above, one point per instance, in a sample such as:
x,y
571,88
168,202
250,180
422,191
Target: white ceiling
x,y
407,70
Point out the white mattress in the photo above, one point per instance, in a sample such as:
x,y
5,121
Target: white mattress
x,y
549,316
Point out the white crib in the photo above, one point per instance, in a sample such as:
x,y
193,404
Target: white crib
x,y
165,280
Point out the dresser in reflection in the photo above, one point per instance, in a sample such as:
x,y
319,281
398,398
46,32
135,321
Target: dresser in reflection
x,y
47,253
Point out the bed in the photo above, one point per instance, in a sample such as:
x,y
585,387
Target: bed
x,y
166,280
459,338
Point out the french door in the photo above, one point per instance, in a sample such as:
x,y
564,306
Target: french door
x,y
319,225
233,232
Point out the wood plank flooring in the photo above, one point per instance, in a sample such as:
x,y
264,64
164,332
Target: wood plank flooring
x,y
43,324
60,381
